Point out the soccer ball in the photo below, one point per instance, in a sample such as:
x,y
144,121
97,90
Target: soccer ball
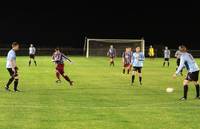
x,y
169,90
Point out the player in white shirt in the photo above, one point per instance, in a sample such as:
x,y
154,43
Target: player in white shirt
x,y
187,60
12,67
166,56
32,52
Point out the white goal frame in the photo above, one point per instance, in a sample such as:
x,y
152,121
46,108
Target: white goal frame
x,y
87,43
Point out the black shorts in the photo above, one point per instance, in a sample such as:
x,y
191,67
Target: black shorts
x,y
32,56
137,69
12,73
194,76
166,59
178,62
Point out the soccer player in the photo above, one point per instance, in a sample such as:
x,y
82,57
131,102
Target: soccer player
x,y
188,61
126,60
12,67
178,55
59,59
112,54
137,62
151,52
32,52
166,56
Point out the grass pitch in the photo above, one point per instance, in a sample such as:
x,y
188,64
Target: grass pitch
x,y
101,98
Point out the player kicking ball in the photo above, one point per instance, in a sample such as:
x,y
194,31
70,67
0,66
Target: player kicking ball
x,y
126,60
188,61
137,62
32,51
112,54
12,67
58,58
166,56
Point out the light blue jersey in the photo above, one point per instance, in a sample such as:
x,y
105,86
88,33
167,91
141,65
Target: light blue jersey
x,y
11,56
137,59
188,61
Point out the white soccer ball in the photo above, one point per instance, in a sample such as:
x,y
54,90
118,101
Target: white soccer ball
x,y
169,90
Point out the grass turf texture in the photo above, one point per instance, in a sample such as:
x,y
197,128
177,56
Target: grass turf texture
x,y
102,97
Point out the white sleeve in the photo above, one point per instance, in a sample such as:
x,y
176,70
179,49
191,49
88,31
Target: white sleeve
x,y
182,64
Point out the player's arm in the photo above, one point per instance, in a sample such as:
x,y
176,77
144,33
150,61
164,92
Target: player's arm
x,y
132,59
53,58
142,58
65,57
108,53
181,66
176,54
123,57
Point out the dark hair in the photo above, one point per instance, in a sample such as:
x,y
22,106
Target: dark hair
x,y
182,48
15,44
57,49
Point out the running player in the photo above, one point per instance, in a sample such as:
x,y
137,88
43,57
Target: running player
x,y
32,51
151,52
137,62
188,61
166,56
112,54
126,60
12,67
59,59
178,55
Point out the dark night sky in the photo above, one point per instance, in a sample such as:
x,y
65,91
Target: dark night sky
x,y
66,24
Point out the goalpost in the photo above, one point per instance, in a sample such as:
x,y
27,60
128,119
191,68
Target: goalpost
x,y
99,47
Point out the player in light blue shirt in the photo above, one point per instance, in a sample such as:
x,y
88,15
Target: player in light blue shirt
x,y
137,62
12,67
187,61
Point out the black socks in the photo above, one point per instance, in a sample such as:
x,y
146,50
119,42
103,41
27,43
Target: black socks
x,y
197,90
133,78
16,84
185,88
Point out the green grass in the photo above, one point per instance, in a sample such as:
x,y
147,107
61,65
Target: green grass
x,y
102,97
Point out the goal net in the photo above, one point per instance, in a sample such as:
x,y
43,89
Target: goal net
x,y
100,47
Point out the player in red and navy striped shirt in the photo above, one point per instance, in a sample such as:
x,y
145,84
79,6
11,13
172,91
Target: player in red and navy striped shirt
x,y
59,59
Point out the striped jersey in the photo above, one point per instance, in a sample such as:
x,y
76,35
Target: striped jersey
x,y
138,59
127,56
59,58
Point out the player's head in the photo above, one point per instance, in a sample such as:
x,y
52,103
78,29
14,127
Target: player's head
x,y
130,49
57,49
182,48
127,49
166,48
15,46
137,49
31,45
111,46
151,46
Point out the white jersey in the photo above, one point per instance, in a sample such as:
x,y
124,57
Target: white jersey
x,y
32,50
188,61
167,53
178,54
11,57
